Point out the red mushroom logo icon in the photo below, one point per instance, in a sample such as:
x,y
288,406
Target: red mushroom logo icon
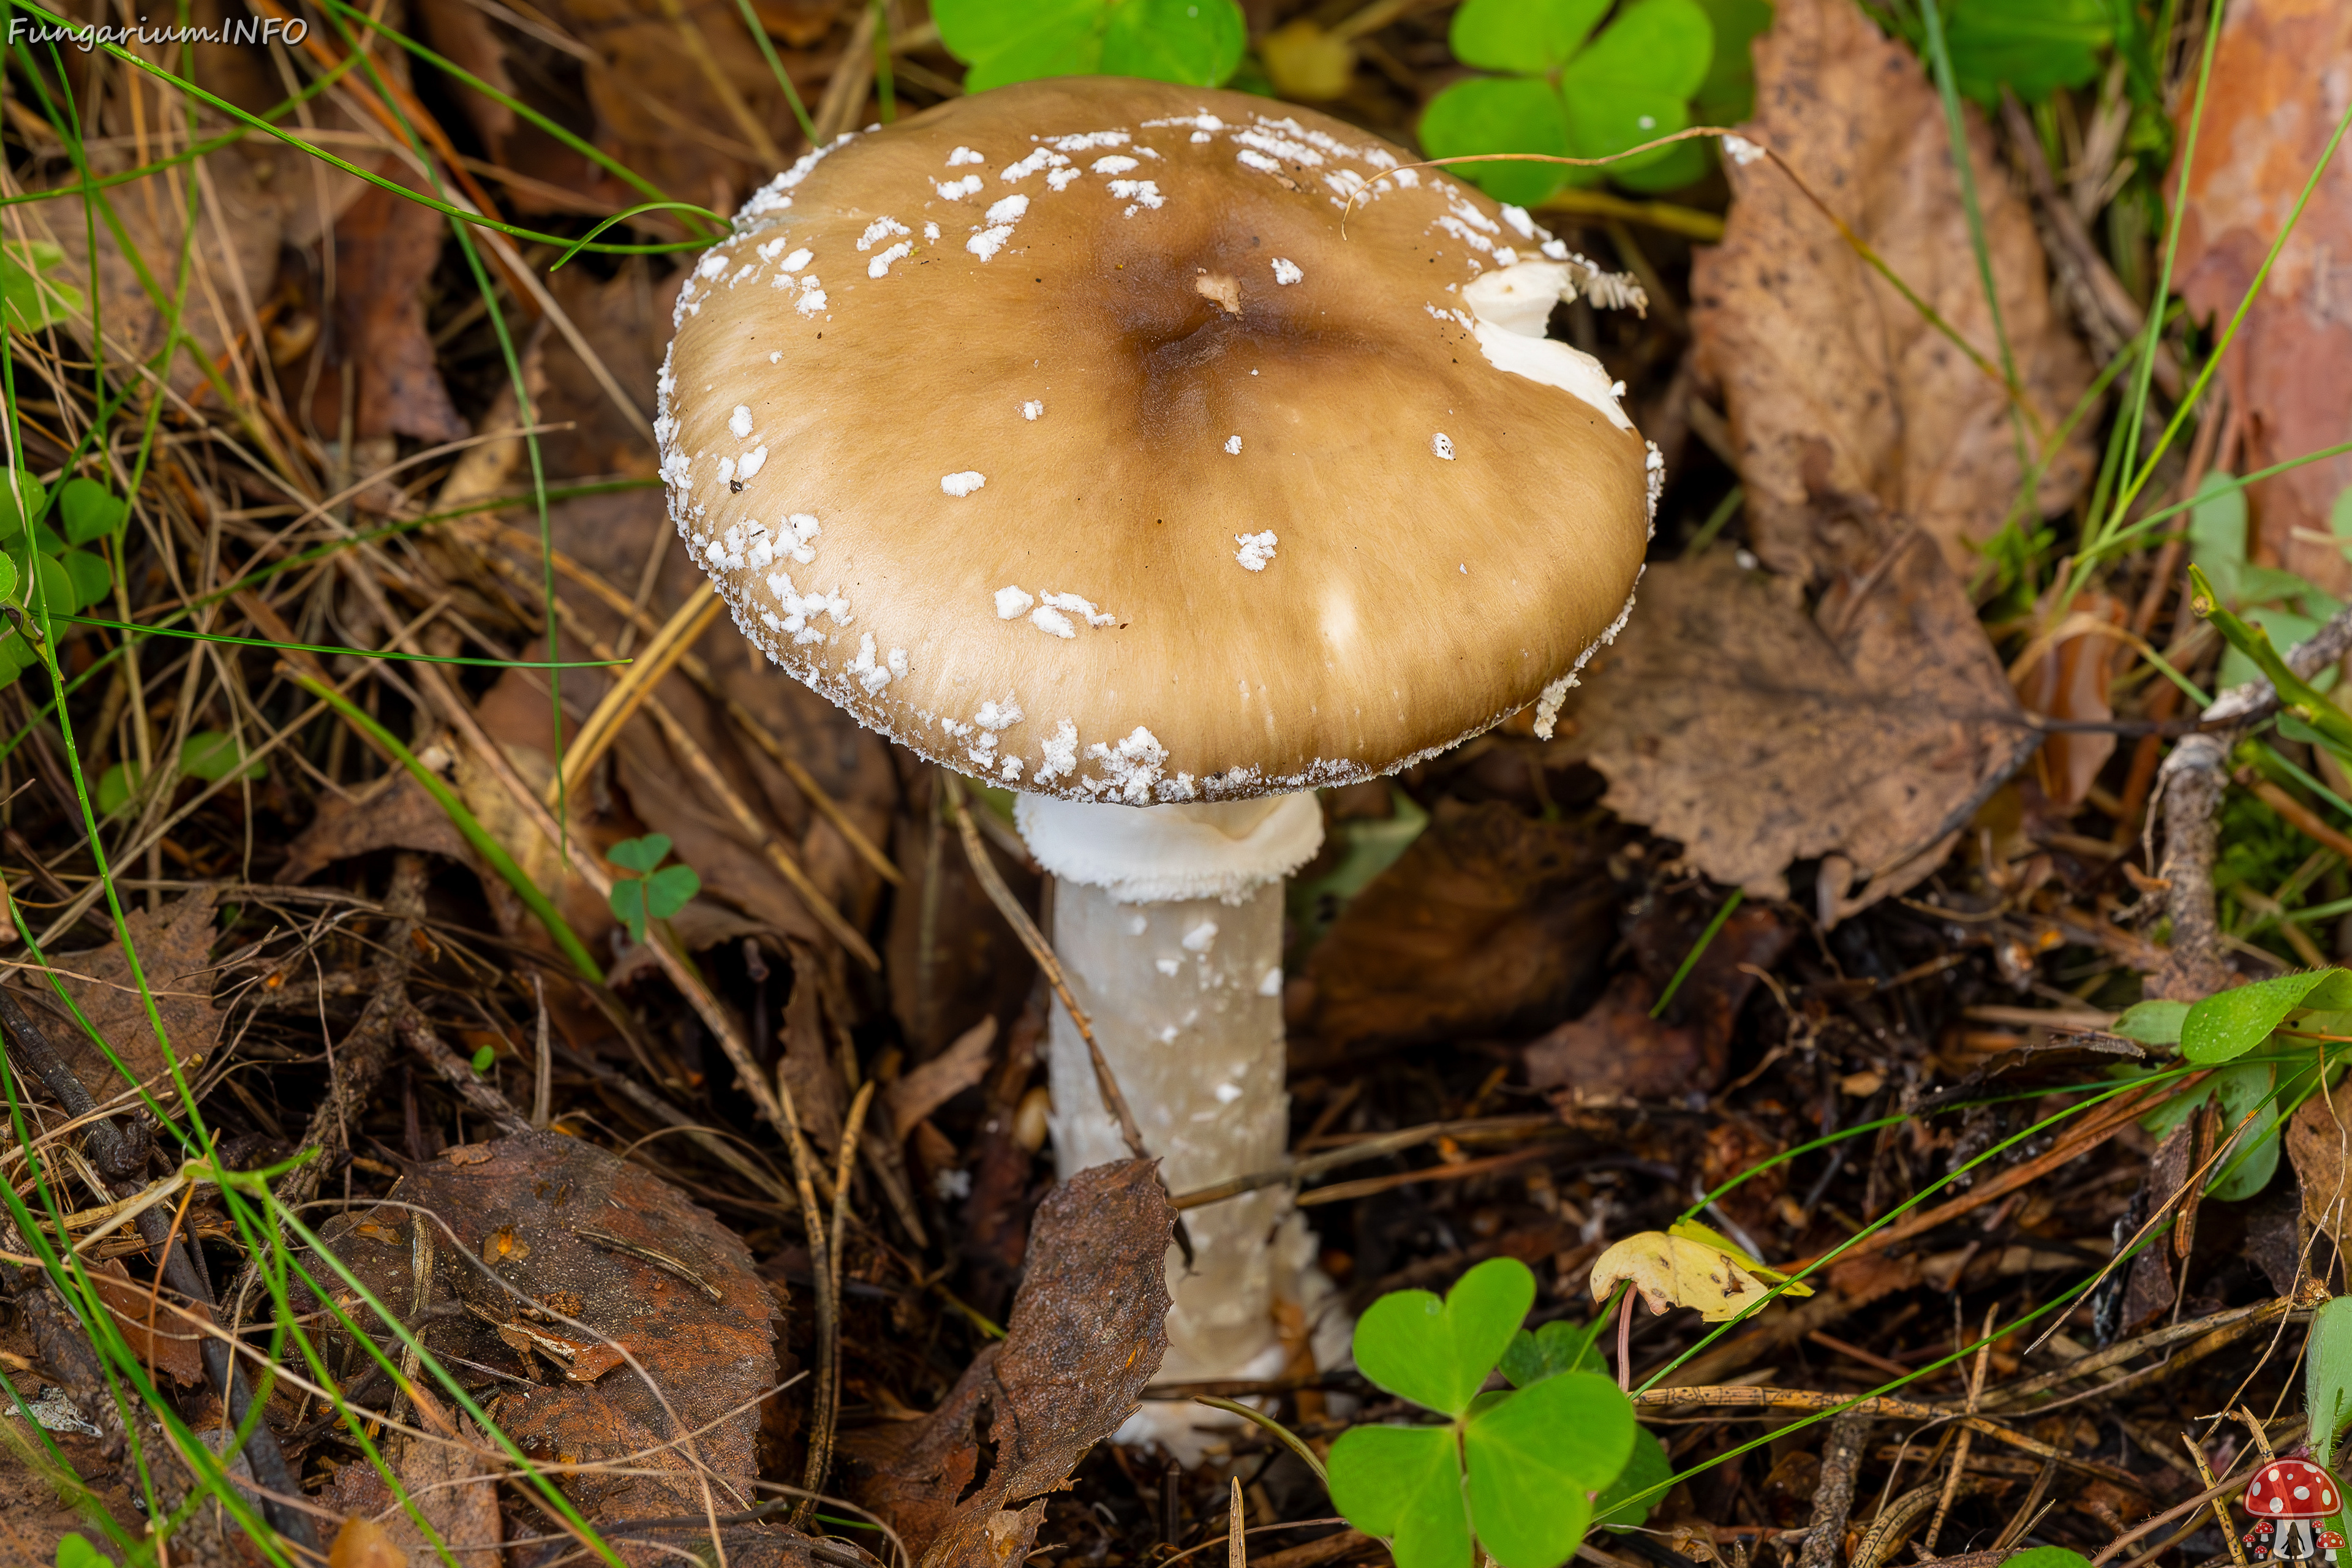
x,y
2289,1497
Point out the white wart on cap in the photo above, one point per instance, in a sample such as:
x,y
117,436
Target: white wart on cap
x,y
1059,433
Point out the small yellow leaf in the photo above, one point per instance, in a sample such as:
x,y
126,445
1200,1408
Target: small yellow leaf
x,y
1676,1271
1691,1230
1307,63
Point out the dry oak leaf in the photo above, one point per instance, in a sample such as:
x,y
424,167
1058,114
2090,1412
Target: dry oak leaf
x,y
175,949
1086,1334
1726,718
2267,119
1851,416
562,1251
175,1344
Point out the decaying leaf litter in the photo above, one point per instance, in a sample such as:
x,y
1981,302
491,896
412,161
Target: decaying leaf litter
x,y
1838,915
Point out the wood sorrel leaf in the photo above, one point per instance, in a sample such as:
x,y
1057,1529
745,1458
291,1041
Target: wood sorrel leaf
x,y
1404,1483
1436,1353
1536,1458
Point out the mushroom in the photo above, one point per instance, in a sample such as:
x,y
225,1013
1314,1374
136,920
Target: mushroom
x,y
1062,433
2291,1496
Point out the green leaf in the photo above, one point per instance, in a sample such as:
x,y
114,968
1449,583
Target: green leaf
x,y
7,577
53,586
1536,1458
2217,532
1528,36
1635,83
2228,1024
90,511
22,498
1728,95
1195,42
628,902
667,890
1436,1353
1404,1485
16,656
2327,1377
115,786
211,755
2245,1168
483,1058
73,1551
640,854
89,576
1500,114
1647,1467
1553,1349
33,290
2152,1023
2031,46
2048,1557
1669,169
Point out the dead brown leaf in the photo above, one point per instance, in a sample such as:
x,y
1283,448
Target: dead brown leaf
x,y
397,816
175,954
1726,718
385,248
1852,417
1086,1334
1489,923
247,211
2266,122
599,1254
940,1079
172,1344
1617,1052
2319,1145
450,1478
2066,673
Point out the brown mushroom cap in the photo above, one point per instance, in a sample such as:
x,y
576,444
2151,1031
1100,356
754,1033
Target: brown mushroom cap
x,y
1059,433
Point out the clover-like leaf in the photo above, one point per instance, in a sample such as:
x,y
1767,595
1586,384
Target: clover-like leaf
x,y
1553,1349
89,510
2033,47
640,854
53,586
22,497
1404,1485
1528,36
74,1552
8,577
1500,114
115,786
1436,1353
1626,1502
668,889
1197,42
87,575
212,755
1536,1457
33,290
2228,1024
1634,84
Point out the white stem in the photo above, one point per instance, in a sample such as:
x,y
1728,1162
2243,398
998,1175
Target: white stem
x,y
1184,996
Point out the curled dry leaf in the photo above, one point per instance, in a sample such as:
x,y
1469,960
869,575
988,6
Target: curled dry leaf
x,y
1086,1334
1676,1271
2266,126
1852,417
2066,672
564,1257
174,1345
1726,718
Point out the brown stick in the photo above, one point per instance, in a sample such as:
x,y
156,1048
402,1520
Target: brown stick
x,y
1729,1396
